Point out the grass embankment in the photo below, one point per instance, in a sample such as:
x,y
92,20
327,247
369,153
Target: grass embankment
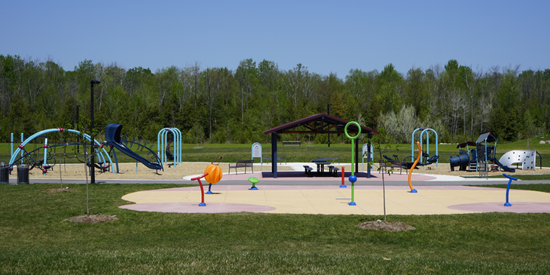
x,y
34,240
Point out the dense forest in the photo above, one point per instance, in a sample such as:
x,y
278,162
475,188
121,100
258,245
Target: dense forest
x,y
221,105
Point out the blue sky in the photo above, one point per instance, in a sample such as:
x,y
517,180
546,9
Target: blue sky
x,y
325,36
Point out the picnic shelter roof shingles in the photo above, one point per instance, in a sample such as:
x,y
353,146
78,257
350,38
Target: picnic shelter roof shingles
x,y
318,124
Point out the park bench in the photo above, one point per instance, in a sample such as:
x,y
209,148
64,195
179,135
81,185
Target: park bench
x,y
394,163
280,159
242,163
292,143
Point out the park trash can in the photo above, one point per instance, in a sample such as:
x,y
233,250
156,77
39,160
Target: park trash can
x,y
22,174
4,173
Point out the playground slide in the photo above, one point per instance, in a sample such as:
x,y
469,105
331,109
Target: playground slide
x,y
112,134
527,158
504,167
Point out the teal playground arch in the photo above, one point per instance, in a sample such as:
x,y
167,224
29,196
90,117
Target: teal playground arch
x,y
425,130
162,142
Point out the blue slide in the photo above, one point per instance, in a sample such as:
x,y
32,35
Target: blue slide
x,y
504,167
112,134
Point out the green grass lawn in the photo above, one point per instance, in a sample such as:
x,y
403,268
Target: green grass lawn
x,y
34,240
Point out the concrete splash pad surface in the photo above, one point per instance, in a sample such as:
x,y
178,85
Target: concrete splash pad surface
x,y
323,199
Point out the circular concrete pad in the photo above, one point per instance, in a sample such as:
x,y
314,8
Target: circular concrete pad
x,y
324,199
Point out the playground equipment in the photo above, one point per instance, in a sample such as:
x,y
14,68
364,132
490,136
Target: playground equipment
x,y
112,134
352,178
483,154
527,158
213,178
129,144
427,131
162,142
460,160
412,168
214,174
487,153
202,190
343,185
508,189
253,180
41,164
463,159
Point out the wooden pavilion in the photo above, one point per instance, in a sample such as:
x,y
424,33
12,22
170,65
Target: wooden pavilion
x,y
318,124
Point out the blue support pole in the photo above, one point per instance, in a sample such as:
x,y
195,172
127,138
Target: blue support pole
x,y
508,189
274,154
11,153
116,160
22,152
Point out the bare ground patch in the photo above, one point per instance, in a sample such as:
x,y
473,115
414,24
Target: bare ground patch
x,y
386,226
98,218
59,190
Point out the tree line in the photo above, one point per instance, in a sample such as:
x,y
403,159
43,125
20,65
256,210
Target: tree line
x,y
221,105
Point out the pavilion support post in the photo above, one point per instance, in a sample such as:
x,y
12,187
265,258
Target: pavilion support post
x,y
274,154
356,157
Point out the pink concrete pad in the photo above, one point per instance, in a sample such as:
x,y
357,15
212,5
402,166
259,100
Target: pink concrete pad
x,y
195,208
517,207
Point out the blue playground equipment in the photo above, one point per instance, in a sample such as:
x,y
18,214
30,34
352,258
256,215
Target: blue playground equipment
x,y
477,159
487,153
43,164
162,142
508,189
427,153
112,134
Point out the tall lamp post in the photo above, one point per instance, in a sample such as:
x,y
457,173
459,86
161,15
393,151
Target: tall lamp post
x,y
328,113
92,139
76,127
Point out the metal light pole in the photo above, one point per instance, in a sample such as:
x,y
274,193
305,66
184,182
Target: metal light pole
x,y
92,139
328,113
76,127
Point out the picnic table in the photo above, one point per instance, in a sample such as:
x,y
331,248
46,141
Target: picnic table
x,y
292,143
320,165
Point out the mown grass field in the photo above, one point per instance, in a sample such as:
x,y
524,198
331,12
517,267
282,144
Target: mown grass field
x,y
33,240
